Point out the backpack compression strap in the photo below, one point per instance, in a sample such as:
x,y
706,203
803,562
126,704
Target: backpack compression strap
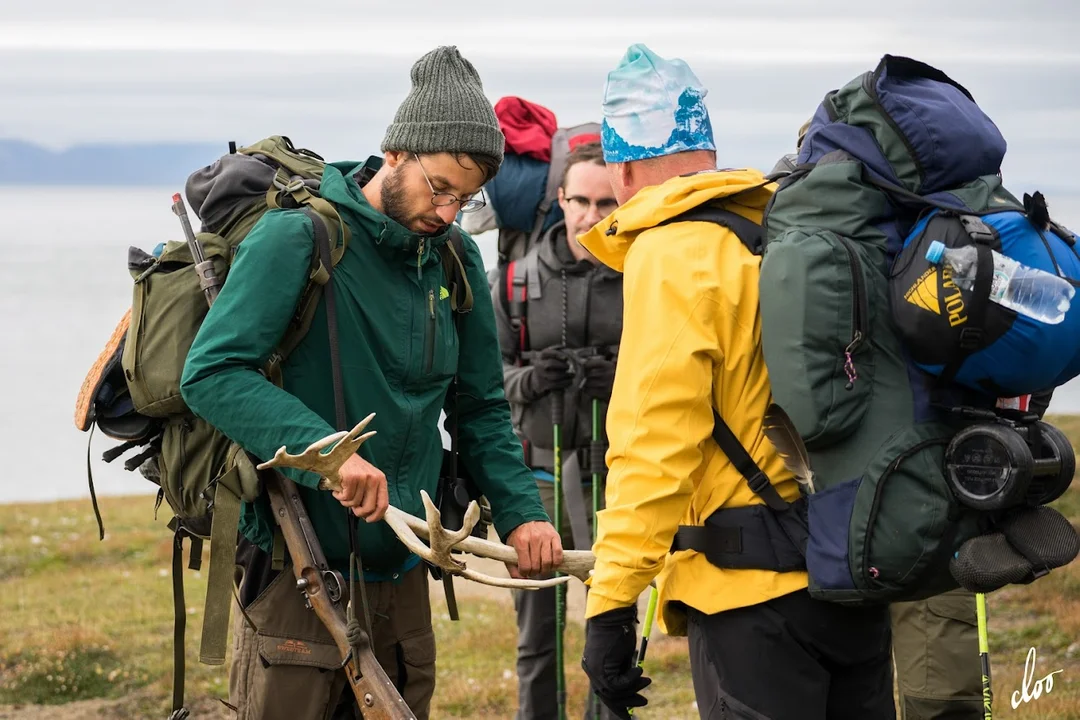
x,y
971,337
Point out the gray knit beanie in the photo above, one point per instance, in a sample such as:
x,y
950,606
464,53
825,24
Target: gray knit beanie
x,y
446,110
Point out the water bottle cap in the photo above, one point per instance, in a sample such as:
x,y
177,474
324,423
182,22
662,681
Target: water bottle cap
x,y
935,251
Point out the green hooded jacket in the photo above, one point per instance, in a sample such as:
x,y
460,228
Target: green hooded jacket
x,y
399,352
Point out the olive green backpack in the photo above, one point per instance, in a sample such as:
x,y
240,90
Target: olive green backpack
x,y
133,392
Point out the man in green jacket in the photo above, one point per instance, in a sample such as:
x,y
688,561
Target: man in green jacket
x,y
399,351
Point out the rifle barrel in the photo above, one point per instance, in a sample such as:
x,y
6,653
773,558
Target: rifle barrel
x,y
208,279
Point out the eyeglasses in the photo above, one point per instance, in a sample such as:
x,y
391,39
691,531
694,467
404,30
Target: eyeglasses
x,y
582,204
442,199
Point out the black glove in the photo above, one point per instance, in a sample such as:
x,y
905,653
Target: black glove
x,y
550,371
599,374
610,661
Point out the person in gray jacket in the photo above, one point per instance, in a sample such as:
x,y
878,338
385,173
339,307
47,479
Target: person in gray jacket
x,y
559,314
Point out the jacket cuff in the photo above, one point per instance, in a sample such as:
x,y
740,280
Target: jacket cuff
x,y
596,603
528,385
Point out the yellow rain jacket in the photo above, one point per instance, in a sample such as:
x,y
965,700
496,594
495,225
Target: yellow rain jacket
x,y
691,341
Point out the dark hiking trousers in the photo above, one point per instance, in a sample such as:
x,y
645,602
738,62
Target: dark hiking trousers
x,y
792,658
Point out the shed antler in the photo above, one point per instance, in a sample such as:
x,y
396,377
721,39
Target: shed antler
x,y
409,529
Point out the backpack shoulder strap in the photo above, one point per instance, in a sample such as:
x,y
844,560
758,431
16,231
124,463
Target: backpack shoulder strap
x,y
740,458
504,279
452,252
521,282
530,266
560,150
324,228
512,279
749,232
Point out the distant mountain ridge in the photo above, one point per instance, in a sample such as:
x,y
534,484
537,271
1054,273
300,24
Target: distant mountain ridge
x,y
169,164
154,163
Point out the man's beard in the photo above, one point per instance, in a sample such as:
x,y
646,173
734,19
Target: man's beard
x,y
393,200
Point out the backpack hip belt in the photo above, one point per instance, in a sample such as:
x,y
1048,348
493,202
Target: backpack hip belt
x,y
772,536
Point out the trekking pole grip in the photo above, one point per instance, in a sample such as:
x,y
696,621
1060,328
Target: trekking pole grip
x,y
557,403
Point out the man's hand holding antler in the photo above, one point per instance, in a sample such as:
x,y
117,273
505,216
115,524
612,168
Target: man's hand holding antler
x,y
539,549
363,488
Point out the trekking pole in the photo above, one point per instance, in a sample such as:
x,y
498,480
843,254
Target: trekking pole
x,y
984,654
560,597
646,631
596,458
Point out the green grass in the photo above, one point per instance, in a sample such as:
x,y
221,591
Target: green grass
x,y
85,619
82,619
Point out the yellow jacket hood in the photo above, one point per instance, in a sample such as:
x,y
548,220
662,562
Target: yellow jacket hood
x,y
610,239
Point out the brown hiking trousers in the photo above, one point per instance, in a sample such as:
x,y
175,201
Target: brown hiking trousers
x,y
286,666
936,651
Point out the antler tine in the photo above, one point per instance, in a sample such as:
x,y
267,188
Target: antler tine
x,y
328,465
283,459
440,536
471,517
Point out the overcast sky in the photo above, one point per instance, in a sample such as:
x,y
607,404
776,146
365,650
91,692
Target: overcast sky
x,y
330,74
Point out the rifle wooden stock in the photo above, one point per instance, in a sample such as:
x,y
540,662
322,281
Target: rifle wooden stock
x,y
375,694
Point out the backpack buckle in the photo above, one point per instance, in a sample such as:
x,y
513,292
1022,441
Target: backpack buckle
x,y
758,482
294,184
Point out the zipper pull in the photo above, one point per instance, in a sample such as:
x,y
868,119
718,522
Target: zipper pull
x,y
431,302
419,257
849,364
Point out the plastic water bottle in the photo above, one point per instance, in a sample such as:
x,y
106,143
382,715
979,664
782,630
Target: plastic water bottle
x,y
1036,293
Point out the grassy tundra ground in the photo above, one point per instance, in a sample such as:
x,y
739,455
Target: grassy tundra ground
x,y
86,628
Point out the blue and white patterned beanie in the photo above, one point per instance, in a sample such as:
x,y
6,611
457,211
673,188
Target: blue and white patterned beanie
x,y
653,107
